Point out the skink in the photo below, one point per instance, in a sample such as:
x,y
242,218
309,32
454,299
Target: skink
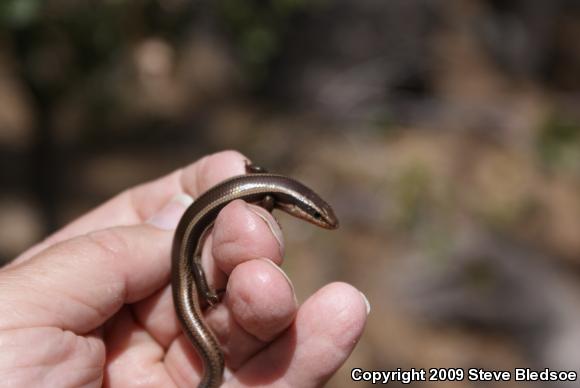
x,y
188,281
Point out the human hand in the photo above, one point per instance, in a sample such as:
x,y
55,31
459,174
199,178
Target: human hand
x,y
92,305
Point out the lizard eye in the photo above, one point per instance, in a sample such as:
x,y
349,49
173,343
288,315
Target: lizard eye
x,y
317,215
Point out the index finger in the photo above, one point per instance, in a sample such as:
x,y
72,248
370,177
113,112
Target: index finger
x,y
137,204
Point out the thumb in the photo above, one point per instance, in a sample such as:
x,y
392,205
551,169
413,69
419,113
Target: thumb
x,y
80,283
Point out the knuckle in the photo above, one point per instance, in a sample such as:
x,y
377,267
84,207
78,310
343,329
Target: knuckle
x,y
109,242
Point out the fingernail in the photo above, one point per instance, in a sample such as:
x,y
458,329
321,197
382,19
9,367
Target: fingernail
x,y
366,302
272,224
168,217
265,259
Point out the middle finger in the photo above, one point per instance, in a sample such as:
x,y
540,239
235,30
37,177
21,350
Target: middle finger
x,y
240,235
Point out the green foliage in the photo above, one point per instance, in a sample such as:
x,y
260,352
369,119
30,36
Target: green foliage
x,y
412,193
64,48
90,34
19,13
559,143
258,30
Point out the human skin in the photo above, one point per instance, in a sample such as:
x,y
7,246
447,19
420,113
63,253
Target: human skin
x,y
91,305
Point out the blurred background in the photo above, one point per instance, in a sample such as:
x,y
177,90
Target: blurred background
x,y
446,134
